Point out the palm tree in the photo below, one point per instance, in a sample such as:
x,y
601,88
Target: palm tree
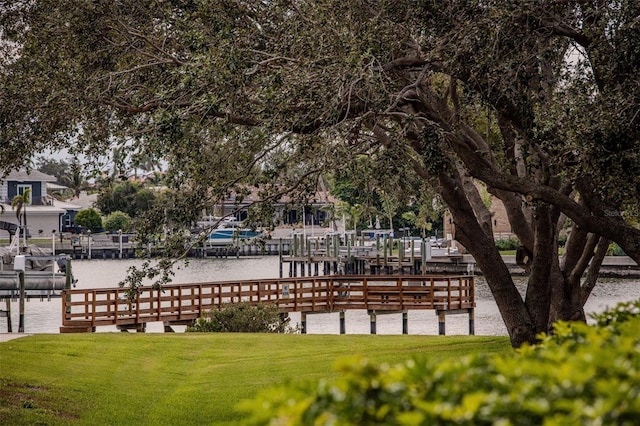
x,y
418,220
19,203
75,180
353,212
390,206
147,163
119,157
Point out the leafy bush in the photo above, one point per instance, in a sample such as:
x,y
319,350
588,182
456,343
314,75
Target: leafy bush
x,y
615,250
623,312
508,244
89,218
580,375
244,318
562,240
117,221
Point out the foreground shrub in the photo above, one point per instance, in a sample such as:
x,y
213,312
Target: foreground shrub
x,y
581,375
244,318
621,313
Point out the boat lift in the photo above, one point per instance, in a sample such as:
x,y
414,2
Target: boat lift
x,y
21,283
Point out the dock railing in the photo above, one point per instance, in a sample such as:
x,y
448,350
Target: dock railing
x,y
84,310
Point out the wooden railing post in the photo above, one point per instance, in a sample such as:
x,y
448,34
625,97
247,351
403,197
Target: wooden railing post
x,y
366,294
159,303
138,307
93,309
116,302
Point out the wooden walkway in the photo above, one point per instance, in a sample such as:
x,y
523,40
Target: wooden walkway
x,y
84,310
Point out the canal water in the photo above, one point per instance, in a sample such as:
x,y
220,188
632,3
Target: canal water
x,y
46,316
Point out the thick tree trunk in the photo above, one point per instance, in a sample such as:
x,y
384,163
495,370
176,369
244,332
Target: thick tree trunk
x,y
566,298
469,233
538,298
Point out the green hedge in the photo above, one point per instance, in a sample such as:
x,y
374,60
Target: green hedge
x,y
508,244
582,375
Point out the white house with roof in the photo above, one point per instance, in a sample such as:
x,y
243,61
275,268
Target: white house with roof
x,y
45,215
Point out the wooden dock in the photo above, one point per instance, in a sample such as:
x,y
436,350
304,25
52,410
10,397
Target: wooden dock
x,y
84,310
83,247
350,254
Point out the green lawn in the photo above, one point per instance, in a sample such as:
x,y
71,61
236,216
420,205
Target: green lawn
x,y
152,379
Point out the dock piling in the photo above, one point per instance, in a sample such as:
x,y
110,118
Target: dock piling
x,y
441,323
21,317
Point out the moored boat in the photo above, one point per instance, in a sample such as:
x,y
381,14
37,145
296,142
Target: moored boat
x,y
229,231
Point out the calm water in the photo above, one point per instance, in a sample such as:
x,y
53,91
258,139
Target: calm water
x,y
45,316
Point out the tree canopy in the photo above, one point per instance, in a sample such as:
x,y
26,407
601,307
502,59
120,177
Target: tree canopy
x,y
53,167
129,197
90,219
537,100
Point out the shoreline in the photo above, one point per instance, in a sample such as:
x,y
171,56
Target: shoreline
x,y
5,337
612,267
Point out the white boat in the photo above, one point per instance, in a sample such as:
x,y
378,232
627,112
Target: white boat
x,y
435,248
229,231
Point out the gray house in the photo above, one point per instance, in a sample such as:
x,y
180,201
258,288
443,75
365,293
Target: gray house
x,y
45,215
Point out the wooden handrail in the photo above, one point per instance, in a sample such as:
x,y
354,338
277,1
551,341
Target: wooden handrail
x,y
187,302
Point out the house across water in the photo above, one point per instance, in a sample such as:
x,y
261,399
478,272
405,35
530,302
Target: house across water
x,y
45,215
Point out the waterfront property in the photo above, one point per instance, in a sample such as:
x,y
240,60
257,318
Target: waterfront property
x,y
84,310
46,215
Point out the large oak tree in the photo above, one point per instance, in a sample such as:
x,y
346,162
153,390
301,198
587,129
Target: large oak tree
x,y
536,100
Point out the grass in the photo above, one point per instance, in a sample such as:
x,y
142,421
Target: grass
x,y
153,379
